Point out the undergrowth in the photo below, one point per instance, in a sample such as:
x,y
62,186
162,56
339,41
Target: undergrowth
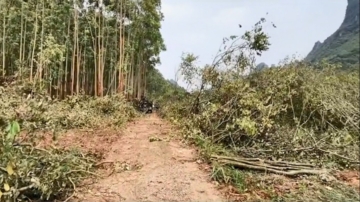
x,y
288,113
292,112
40,112
28,172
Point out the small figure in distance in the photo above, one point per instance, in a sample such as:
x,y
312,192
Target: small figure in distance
x,y
145,105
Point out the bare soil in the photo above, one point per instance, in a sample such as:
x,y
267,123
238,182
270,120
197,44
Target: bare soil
x,y
349,177
150,165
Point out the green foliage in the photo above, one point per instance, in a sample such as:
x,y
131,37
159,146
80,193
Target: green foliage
x,y
229,175
65,45
43,113
188,69
159,89
12,130
345,52
293,112
342,46
282,110
31,172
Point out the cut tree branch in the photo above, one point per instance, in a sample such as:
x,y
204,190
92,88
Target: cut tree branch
x,y
278,167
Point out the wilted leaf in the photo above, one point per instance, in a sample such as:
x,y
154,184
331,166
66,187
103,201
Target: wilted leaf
x,y
6,187
9,169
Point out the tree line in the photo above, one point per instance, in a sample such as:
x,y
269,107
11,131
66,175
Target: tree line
x,y
72,47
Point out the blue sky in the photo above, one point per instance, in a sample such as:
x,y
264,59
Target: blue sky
x,y
198,26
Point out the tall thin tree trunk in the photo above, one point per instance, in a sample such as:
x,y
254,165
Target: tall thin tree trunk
x,y
34,45
21,41
4,46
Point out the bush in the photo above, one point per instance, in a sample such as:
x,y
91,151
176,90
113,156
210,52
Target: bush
x,y
290,112
41,112
36,173
30,172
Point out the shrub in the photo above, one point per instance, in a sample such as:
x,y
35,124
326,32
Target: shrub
x,y
289,112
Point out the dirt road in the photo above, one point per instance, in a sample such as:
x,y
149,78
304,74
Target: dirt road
x,y
151,167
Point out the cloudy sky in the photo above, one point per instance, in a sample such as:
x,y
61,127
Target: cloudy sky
x,y
198,26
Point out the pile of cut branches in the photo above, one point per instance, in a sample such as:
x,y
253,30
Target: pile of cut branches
x,y
38,111
299,114
278,167
27,172
295,111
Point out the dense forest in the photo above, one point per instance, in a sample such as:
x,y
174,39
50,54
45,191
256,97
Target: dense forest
x,y
81,47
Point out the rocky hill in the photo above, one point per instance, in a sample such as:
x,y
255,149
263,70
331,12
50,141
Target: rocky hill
x,y
343,45
261,66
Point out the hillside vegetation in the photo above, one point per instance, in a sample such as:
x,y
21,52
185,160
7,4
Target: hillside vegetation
x,y
343,45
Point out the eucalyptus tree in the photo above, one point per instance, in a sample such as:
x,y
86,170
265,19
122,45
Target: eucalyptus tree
x,y
81,46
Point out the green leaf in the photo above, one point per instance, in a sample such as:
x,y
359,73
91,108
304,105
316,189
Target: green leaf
x,y
14,130
15,127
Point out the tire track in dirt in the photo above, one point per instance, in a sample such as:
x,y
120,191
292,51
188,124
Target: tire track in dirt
x,y
165,170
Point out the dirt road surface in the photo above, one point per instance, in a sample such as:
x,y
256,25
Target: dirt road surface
x,y
151,167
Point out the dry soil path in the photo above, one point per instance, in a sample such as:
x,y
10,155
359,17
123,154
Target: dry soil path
x,y
157,171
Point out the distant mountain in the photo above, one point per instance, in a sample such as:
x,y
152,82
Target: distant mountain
x,y
261,66
172,81
343,45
